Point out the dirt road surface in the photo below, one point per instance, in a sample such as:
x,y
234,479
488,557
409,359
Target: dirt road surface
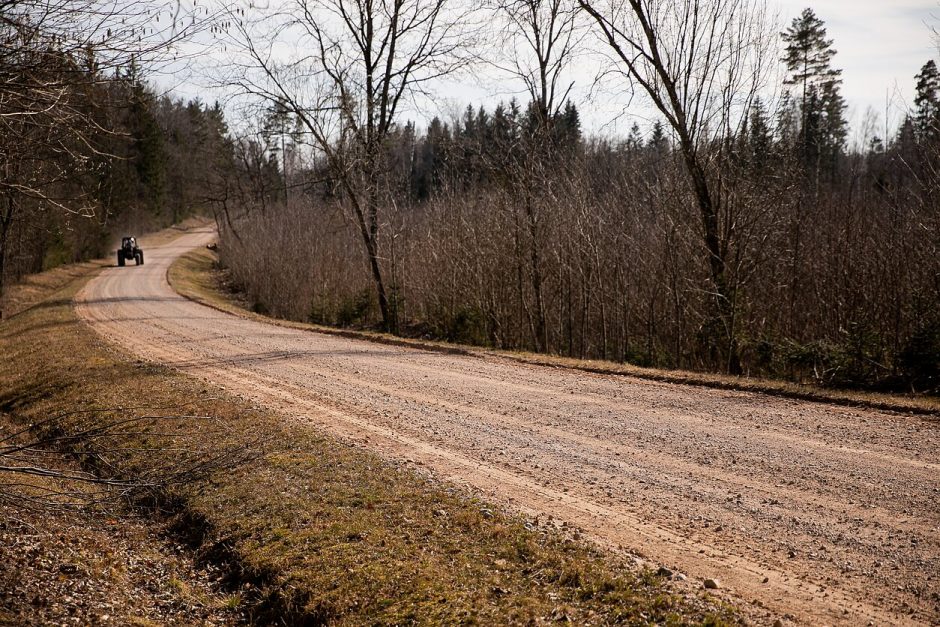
x,y
802,511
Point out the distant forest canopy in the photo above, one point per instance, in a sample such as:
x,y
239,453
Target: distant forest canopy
x,y
748,240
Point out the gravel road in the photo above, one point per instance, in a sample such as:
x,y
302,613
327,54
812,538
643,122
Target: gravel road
x,y
801,511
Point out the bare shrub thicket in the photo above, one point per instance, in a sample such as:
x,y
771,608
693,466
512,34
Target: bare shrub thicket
x,y
620,261
352,68
734,236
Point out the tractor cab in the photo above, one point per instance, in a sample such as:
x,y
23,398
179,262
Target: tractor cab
x,y
130,250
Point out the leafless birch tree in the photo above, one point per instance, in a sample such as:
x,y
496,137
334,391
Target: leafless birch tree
x,y
701,63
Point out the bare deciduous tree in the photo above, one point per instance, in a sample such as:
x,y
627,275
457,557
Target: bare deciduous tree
x,y
357,63
542,37
541,40
701,63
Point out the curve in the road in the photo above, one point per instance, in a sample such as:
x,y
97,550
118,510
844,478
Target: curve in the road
x,y
831,515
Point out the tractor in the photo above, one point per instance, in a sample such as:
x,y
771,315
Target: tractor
x,y
130,250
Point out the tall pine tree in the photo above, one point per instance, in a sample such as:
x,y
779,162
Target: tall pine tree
x,y
927,103
814,87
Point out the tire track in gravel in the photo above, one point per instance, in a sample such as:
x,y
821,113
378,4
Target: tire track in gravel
x,y
829,514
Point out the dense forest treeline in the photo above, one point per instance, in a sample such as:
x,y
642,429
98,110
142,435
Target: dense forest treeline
x,y
136,176
511,228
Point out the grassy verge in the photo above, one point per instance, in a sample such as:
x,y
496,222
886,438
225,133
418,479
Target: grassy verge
x,y
195,276
33,289
325,531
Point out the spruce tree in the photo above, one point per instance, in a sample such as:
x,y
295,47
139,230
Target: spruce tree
x,y
565,127
759,137
277,124
925,123
635,138
658,141
787,125
927,103
569,123
148,151
831,140
808,58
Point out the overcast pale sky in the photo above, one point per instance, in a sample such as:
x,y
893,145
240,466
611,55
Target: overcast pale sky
x,y
881,45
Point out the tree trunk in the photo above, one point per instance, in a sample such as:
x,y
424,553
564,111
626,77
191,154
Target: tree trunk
x,y
6,220
569,326
368,220
520,288
724,294
541,332
388,319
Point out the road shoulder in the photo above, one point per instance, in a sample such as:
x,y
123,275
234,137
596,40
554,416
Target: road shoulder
x,y
196,276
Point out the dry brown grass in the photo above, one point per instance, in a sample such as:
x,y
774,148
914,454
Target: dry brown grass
x,y
34,288
101,564
328,532
195,276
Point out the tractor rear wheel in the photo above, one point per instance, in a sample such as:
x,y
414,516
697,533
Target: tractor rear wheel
x,y
120,254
